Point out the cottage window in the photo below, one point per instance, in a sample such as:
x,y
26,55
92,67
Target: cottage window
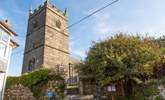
x,y
4,36
3,48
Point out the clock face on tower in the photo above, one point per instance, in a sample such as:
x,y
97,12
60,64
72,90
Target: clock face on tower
x,y
58,24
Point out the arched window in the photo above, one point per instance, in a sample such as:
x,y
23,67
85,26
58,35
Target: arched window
x,y
58,24
31,64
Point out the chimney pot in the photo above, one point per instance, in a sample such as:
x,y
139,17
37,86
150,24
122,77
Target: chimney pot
x,y
7,23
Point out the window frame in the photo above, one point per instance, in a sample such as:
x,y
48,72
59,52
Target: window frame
x,y
4,54
4,36
4,40
35,24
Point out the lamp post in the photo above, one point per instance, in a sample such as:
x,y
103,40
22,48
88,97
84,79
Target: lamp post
x,y
69,74
58,69
98,90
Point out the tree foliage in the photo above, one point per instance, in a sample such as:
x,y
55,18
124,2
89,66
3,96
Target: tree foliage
x,y
159,65
122,57
161,41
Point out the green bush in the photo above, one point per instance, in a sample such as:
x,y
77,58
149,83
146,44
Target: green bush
x,y
152,82
35,77
11,81
37,81
159,98
150,91
28,79
162,80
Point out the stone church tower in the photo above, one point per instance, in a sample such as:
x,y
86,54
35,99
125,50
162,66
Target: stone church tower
x,y
47,39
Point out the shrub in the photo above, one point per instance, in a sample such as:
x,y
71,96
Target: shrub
x,y
37,81
150,91
11,81
35,77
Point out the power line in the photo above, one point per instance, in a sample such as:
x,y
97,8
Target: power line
x,y
84,18
79,21
17,52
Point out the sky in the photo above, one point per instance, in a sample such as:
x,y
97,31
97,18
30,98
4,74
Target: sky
x,y
143,17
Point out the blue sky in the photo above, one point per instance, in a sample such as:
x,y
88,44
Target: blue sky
x,y
144,17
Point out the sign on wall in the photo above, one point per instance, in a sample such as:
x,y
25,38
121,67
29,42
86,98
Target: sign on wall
x,y
111,88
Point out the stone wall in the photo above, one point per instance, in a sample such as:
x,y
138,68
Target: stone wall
x,y
89,87
19,92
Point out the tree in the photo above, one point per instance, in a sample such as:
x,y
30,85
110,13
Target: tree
x,y
159,65
161,41
121,58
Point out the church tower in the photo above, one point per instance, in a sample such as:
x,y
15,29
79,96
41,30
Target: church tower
x,y
47,39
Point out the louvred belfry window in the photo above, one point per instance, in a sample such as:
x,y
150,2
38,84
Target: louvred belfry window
x,y
35,24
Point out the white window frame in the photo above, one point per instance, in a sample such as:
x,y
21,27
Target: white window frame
x,y
6,43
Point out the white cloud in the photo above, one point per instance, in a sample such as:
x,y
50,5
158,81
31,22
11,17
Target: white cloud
x,y
105,24
101,25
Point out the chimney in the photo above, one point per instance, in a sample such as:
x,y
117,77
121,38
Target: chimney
x,y
7,23
46,2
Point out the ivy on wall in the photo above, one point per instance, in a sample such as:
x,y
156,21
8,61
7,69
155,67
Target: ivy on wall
x,y
37,81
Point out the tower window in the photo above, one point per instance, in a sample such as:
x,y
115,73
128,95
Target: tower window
x,y
35,24
31,64
58,24
34,45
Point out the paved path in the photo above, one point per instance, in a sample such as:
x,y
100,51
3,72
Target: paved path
x,y
162,91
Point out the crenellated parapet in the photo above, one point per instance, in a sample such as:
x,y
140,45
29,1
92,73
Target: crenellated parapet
x,y
50,6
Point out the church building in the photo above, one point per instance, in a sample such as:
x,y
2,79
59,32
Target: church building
x,y
47,39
